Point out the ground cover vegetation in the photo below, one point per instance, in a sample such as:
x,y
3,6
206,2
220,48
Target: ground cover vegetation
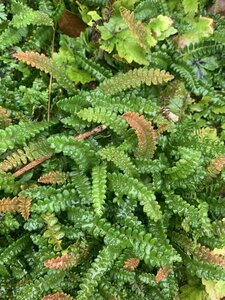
x,y
112,129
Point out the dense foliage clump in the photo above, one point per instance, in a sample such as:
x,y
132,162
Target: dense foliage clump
x,y
112,149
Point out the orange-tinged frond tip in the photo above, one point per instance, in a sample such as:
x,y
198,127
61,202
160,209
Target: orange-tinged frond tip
x,y
131,264
24,207
60,262
145,133
216,166
55,177
32,58
57,296
162,274
9,205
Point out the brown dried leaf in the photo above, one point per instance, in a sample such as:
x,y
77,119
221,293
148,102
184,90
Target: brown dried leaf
x,y
71,24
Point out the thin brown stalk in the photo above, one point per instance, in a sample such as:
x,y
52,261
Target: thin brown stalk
x,y
31,165
91,132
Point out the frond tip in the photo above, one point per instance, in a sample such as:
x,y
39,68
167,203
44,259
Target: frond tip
x,y
131,264
134,78
61,262
57,296
16,204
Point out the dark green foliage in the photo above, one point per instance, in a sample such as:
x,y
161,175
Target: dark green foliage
x,y
138,134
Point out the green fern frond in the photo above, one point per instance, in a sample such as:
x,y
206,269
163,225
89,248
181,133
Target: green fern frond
x,y
81,152
104,116
134,78
150,8
15,135
100,266
46,64
93,68
11,36
119,158
28,16
96,3
99,177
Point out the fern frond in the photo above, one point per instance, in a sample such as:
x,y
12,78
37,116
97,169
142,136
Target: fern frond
x,y
137,29
188,74
99,267
198,251
104,116
4,118
33,151
93,68
98,3
134,78
28,16
9,205
16,204
57,296
145,133
54,177
61,262
81,152
151,8
99,177
216,166
136,190
11,36
46,64
131,264
119,158
162,274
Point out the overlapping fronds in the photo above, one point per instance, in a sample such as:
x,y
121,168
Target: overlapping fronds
x,y
16,204
134,78
32,151
119,158
145,133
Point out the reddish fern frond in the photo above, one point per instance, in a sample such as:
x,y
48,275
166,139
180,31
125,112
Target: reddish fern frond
x,y
16,204
61,262
145,133
162,274
55,177
131,264
57,296
46,64
9,205
216,166
24,207
204,253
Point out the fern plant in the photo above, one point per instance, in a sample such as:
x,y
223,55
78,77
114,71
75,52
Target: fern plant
x,y
112,162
